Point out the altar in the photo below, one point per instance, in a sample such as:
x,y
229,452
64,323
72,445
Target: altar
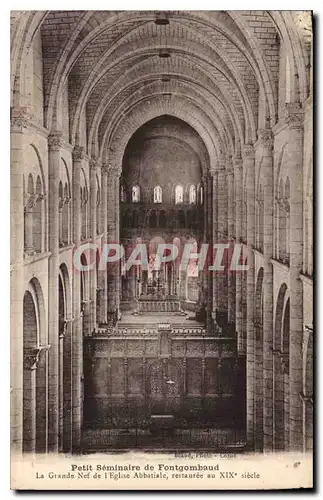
x,y
154,303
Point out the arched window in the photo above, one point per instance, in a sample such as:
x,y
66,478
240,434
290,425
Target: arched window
x,y
201,195
158,194
38,222
192,194
135,196
179,194
122,194
66,216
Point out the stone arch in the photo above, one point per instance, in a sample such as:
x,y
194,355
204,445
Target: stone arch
x,y
192,82
183,95
231,74
128,125
64,357
281,360
35,202
34,369
30,340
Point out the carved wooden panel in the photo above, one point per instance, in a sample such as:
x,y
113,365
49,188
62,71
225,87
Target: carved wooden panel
x,y
117,377
194,377
135,377
211,376
100,376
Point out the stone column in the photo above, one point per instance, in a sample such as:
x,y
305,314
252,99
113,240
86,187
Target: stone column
x,y
117,239
294,121
209,240
54,159
102,275
30,202
202,274
42,399
214,239
241,342
183,285
113,271
231,230
249,161
93,274
31,357
19,126
267,173
222,280
77,334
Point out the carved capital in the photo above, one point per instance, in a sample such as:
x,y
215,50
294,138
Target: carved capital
x,y
286,205
306,399
30,201
238,164
63,327
248,151
114,172
284,358
63,201
78,153
105,168
93,163
31,356
55,141
293,115
19,119
266,138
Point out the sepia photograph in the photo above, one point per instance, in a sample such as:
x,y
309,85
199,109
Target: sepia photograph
x,y
161,249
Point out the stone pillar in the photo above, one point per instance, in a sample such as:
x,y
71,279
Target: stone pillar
x,y
267,174
30,202
294,121
209,240
29,413
93,274
77,334
203,297
214,239
42,400
222,280
113,270
183,285
19,127
54,159
231,276
241,342
249,161
102,274
117,276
